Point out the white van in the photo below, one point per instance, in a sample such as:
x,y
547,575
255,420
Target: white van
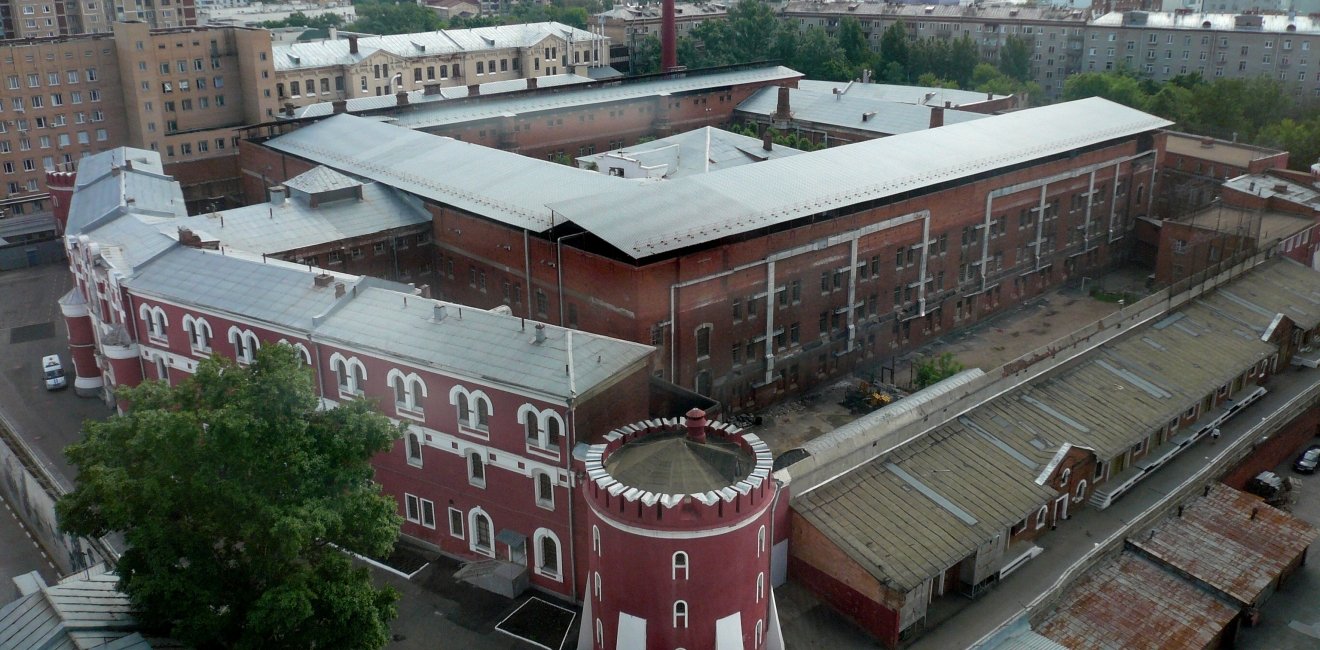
x,y
53,371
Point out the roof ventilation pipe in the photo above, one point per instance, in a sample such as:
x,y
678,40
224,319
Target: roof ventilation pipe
x,y
696,425
540,333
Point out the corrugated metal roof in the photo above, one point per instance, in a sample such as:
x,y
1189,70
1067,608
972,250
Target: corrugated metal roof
x,y
293,224
305,55
1231,541
650,219
694,152
925,95
122,179
440,113
987,461
852,111
73,614
377,102
1131,603
1280,23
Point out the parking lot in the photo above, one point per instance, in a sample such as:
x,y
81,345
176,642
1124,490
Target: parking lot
x,y
1290,620
31,327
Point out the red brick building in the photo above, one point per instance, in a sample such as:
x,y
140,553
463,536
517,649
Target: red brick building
x,y
764,279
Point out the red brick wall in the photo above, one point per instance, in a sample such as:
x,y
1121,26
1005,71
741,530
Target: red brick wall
x,y
828,572
1280,447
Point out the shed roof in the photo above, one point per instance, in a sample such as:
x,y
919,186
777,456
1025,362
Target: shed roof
x,y
415,97
902,94
1231,541
1133,604
898,523
75,614
1238,154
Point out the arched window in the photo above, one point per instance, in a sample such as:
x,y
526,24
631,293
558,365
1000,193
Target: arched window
x,y
483,411
351,373
464,410
600,634
760,631
482,541
1081,489
595,539
760,541
552,430
408,390
532,427
547,554
545,490
680,566
199,333
245,344
596,580
680,614
760,586
414,449
162,371
476,469
156,321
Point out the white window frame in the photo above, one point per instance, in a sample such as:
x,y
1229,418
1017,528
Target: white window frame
x,y
199,334
476,458
245,344
676,565
350,375
411,438
412,508
157,323
680,614
1041,515
475,538
410,387
556,572
428,506
459,532
546,500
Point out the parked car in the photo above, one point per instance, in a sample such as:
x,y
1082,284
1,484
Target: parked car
x,y
1306,463
53,371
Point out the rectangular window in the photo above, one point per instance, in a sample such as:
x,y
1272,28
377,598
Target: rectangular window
x,y
428,513
412,509
456,523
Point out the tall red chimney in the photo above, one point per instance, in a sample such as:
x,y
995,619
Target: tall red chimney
x,y
695,421
668,46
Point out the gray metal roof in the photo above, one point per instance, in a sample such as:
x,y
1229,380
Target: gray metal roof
x,y
476,343
649,219
119,180
693,152
504,186
644,219
376,102
1107,401
440,113
306,55
852,111
89,613
321,179
1280,23
293,224
372,315
923,95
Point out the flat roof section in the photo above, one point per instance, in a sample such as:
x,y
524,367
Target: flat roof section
x,y
1229,153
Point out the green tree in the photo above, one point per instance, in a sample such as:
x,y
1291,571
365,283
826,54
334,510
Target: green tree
x,y
1120,88
934,370
852,40
963,57
1015,58
894,49
1300,138
752,26
820,57
234,492
394,18
646,55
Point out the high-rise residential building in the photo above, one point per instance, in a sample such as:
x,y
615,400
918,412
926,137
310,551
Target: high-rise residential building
x,y
46,18
1163,45
61,101
182,92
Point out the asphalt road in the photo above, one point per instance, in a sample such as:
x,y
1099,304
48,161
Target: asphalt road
x,y
20,554
31,327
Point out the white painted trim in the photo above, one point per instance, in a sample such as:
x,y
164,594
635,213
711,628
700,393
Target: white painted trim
x,y
676,534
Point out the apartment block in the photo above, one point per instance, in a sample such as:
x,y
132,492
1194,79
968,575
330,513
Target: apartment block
x,y
1056,35
61,102
1163,45
183,92
323,71
190,90
47,18
33,18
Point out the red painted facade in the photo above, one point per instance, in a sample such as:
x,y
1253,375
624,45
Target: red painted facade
x,y
675,571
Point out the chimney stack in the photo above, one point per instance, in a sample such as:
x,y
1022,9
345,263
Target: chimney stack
x,y
531,83
936,117
440,312
781,107
288,109
278,195
668,38
696,425
402,97
339,106
474,90
322,280
352,45
189,238
339,289
540,333
767,142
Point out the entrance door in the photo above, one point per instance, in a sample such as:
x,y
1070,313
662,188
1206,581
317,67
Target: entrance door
x,y
1060,509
